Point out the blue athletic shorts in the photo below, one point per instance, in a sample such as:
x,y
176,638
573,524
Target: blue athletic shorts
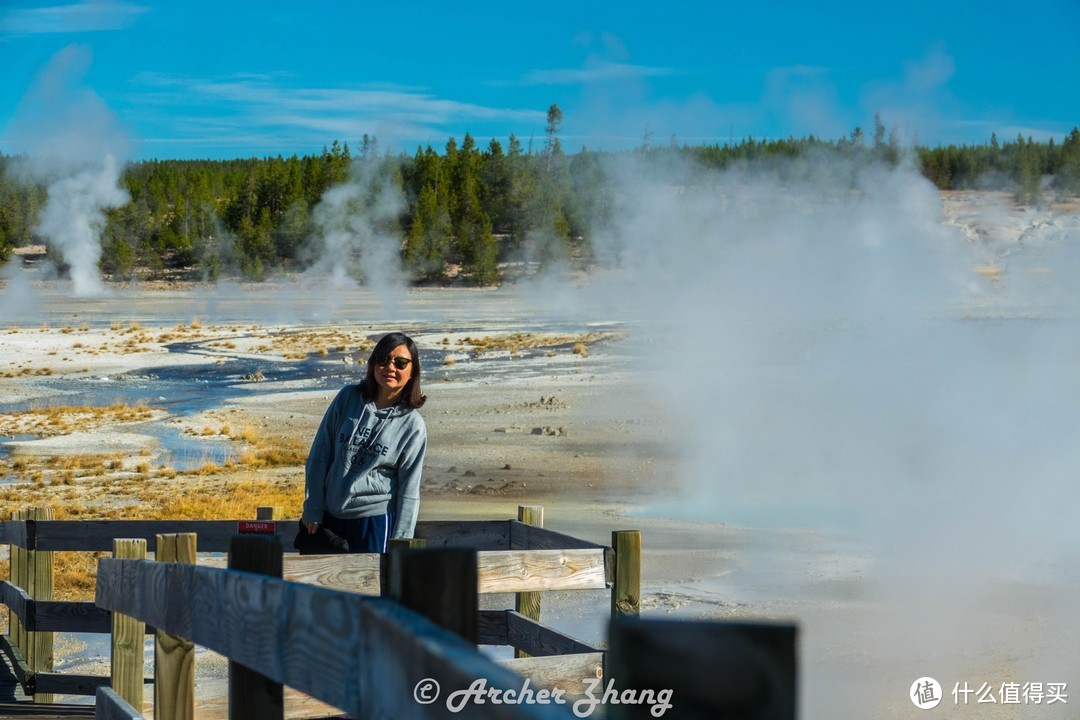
x,y
364,535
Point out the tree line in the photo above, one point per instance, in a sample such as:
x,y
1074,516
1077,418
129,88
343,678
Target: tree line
x,y
461,211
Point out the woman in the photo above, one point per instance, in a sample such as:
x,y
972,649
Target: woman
x,y
363,471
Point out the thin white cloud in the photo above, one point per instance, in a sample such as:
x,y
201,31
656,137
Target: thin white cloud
x,y
219,111
311,105
90,16
597,72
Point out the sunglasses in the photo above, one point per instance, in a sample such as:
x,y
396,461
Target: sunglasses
x,y
399,362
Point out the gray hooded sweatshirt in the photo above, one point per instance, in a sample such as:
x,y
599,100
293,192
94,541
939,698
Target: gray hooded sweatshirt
x,y
365,462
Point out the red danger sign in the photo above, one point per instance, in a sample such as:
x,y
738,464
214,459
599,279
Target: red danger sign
x,y
257,527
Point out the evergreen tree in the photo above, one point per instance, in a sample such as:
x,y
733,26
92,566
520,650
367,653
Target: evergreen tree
x,y
551,129
429,235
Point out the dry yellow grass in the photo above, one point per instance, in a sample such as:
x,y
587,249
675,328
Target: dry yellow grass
x,y
64,419
516,342
248,434
194,499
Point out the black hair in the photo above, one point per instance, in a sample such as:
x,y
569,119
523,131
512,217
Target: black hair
x,y
412,396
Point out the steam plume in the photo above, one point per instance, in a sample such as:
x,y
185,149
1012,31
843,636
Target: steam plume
x,y
356,240
77,149
824,356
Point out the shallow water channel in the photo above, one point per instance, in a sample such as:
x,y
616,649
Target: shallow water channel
x,y
186,389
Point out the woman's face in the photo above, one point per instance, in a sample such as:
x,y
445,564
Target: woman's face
x,y
391,377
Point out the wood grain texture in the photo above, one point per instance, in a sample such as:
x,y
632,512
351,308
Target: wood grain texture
x,y
319,641
626,592
174,656
128,633
18,578
491,627
252,695
568,672
109,705
540,640
17,600
474,534
359,573
536,570
39,584
538,538
70,683
95,535
527,603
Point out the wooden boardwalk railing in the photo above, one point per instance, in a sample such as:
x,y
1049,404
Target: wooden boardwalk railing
x,y
362,654
511,558
319,629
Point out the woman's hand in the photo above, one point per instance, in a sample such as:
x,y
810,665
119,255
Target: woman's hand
x,y
312,527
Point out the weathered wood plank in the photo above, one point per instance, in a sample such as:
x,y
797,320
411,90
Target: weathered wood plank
x,y
359,573
528,603
253,696
412,653
71,616
475,534
538,538
108,705
174,656
491,628
214,535
15,530
212,703
39,585
713,669
540,640
315,639
626,592
18,663
270,513
69,683
18,578
128,633
93,535
535,570
499,571
17,600
567,672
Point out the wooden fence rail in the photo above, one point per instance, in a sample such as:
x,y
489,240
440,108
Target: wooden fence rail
x,y
362,654
511,557
367,654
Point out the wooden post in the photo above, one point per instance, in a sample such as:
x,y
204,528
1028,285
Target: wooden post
x,y
704,670
18,578
174,657
439,584
626,592
405,543
39,585
270,512
528,603
253,696
128,635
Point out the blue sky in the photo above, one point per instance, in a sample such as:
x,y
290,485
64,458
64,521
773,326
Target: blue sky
x,y
234,79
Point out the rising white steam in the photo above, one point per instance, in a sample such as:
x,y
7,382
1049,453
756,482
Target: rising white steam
x,y
76,147
824,355
74,217
356,234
